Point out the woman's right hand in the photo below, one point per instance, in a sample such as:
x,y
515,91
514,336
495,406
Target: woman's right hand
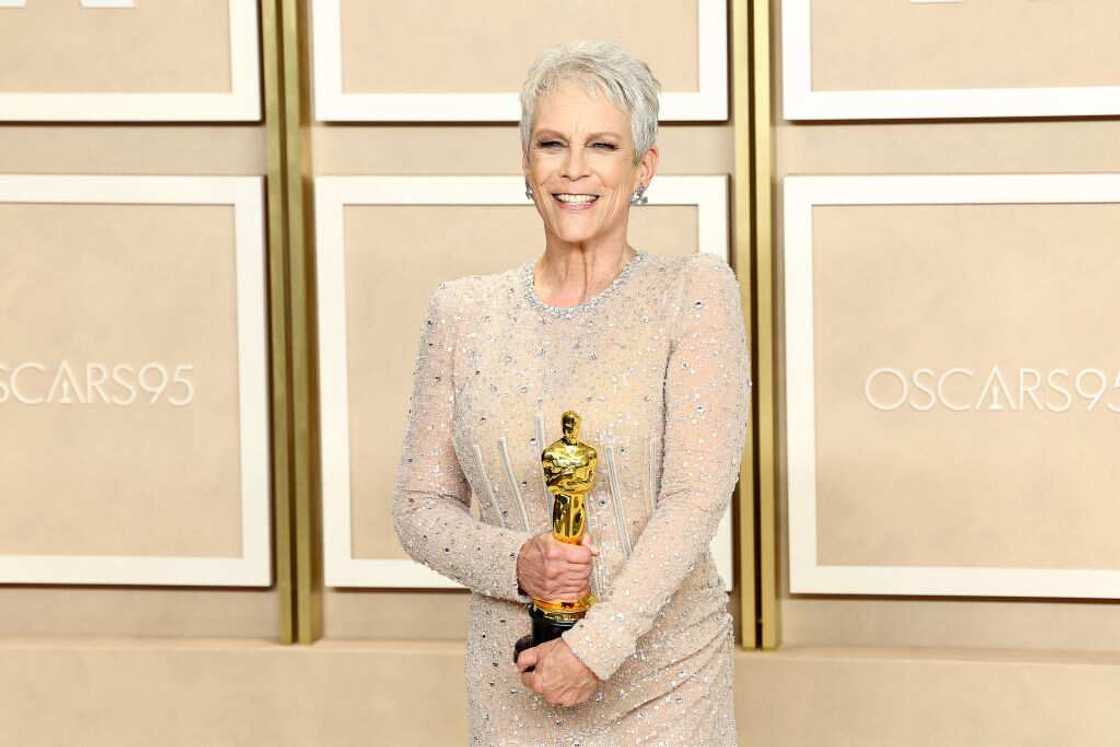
x,y
556,571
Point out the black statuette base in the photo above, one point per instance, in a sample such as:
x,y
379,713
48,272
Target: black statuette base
x,y
544,630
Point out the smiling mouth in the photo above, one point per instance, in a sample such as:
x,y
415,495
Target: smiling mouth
x,y
575,200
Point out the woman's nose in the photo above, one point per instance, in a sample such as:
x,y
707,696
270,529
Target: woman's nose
x,y
575,163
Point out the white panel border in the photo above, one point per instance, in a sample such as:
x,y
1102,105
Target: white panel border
x,y
800,101
243,103
801,195
331,104
246,195
707,193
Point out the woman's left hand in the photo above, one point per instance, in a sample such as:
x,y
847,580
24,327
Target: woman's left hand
x,y
558,675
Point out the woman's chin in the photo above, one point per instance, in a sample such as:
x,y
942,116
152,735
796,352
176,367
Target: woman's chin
x,y
575,234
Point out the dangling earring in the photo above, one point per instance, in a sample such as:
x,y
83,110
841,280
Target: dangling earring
x,y
528,190
639,196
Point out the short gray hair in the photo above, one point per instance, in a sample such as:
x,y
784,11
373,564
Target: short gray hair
x,y
627,82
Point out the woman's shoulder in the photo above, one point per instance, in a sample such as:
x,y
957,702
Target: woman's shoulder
x,y
477,289
696,271
702,285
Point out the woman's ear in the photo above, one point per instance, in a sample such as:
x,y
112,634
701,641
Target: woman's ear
x,y
647,165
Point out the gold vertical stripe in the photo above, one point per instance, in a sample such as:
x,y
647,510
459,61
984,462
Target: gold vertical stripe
x,y
278,323
741,44
297,156
763,149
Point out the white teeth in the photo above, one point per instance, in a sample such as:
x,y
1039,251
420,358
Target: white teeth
x,y
576,199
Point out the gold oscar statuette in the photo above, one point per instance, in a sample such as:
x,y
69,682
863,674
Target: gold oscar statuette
x,y
569,473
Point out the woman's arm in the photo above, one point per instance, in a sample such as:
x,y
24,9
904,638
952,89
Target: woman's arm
x,y
431,497
707,402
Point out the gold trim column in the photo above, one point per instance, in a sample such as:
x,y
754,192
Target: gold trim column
x,y
279,306
301,284
762,150
741,204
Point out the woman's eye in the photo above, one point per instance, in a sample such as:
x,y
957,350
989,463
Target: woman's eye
x,y
605,146
549,143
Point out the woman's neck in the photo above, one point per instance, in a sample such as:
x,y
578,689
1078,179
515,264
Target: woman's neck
x,y
570,273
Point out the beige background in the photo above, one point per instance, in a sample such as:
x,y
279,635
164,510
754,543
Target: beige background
x,y
455,46
1054,146
971,286
170,46
409,693
120,285
898,44
859,670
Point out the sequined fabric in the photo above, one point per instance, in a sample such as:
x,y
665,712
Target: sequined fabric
x,y
657,367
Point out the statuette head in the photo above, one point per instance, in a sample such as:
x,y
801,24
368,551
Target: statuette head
x,y
569,421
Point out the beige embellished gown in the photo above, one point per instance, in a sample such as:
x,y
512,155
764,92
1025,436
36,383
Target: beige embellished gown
x,y
657,367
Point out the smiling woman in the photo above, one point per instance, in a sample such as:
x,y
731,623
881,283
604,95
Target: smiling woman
x,y
652,353
589,120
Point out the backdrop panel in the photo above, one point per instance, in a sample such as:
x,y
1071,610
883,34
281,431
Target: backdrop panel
x,y
133,381
181,60
953,394
909,59
432,60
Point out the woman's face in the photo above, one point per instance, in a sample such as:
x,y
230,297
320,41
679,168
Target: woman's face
x,y
580,164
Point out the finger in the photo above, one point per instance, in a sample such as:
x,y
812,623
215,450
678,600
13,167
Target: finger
x,y
570,580
580,573
570,591
572,583
528,658
527,680
578,554
586,542
571,588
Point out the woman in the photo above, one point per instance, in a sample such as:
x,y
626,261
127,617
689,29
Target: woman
x,y
651,352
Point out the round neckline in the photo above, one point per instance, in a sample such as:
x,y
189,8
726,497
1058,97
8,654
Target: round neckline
x,y
529,287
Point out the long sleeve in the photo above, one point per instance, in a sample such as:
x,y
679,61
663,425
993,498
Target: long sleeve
x,y
707,404
431,496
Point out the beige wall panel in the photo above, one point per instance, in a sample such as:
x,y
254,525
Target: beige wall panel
x,y
130,149
133,285
905,697
395,256
490,150
895,622
392,615
915,147
52,611
164,46
899,44
141,612
949,147
239,694
437,46
1007,483
231,694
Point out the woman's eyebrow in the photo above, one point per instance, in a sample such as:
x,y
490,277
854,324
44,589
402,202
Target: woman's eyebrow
x,y
589,136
